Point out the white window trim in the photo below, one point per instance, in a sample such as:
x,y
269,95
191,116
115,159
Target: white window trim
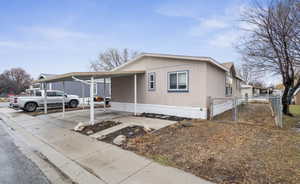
x,y
177,82
149,81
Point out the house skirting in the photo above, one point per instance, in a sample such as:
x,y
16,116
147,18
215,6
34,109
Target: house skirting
x,y
222,107
225,106
180,111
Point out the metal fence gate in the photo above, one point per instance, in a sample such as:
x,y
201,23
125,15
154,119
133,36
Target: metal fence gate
x,y
246,109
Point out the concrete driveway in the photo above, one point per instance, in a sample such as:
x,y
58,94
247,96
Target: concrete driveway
x,y
72,118
86,160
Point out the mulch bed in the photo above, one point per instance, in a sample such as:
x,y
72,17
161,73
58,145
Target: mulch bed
x,y
91,129
129,132
225,152
162,116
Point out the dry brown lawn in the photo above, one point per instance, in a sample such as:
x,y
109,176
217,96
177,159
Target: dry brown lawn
x,y
252,113
221,152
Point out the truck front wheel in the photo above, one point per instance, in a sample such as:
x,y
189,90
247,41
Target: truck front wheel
x,y
73,103
30,107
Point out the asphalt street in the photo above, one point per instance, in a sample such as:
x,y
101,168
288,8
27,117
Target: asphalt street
x,y
15,168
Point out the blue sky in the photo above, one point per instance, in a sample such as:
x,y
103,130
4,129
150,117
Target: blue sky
x,y
59,36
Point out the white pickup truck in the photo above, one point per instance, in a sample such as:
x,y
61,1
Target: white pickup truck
x,y
34,99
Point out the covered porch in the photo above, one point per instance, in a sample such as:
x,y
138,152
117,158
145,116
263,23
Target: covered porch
x,y
89,79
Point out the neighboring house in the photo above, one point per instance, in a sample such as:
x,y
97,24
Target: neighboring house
x,y
77,88
254,91
247,90
250,90
233,81
297,97
173,84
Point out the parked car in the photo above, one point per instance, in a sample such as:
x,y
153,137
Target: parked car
x,y
34,99
101,99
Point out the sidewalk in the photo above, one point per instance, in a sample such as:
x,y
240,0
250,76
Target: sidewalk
x,y
86,160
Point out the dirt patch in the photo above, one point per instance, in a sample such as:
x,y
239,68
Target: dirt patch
x,y
163,116
55,110
91,129
130,133
225,152
251,113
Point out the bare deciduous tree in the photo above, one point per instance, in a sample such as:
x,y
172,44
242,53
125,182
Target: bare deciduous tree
x,y
272,45
111,58
247,73
15,80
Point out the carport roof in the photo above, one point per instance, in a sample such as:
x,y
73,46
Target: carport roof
x,y
87,75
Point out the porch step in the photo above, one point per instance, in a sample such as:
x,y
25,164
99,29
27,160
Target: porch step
x,y
109,130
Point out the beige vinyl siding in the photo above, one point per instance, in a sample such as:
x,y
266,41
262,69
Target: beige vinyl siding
x,y
196,95
297,99
215,82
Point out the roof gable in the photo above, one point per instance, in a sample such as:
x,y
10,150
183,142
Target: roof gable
x,y
44,76
169,56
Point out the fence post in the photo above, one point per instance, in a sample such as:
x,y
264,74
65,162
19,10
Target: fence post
x,y
209,108
236,108
233,109
280,111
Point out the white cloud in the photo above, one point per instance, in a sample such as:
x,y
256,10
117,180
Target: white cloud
x,y
225,39
208,25
214,23
45,38
178,10
56,33
10,44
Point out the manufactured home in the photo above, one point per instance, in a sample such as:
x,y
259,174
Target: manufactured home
x,y
174,84
165,84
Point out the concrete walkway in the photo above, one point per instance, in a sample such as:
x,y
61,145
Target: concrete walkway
x,y
86,160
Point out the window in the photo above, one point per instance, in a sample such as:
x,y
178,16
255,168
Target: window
x,y
38,93
178,81
228,85
51,93
59,93
151,81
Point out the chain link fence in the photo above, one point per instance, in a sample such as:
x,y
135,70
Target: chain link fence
x,y
276,104
258,110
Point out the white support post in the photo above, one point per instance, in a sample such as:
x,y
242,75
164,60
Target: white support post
x,y
104,94
45,98
92,108
82,94
135,94
63,99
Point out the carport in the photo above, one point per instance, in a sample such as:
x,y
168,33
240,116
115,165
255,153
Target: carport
x,y
89,78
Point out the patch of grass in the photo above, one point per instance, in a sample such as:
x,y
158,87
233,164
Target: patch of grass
x,y
295,110
290,121
162,160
